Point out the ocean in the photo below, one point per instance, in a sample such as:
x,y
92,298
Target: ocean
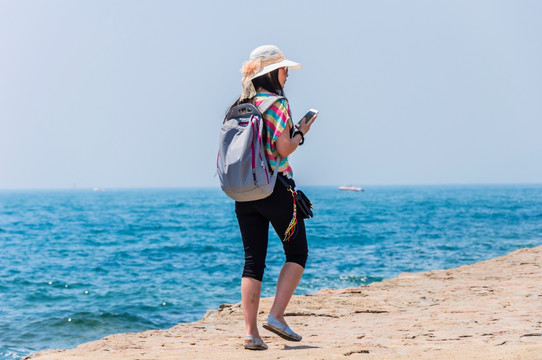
x,y
78,265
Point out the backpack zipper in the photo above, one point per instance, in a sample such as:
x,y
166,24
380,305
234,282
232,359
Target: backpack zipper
x,y
252,151
265,168
262,163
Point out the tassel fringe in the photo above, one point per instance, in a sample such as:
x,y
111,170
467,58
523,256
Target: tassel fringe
x,y
291,231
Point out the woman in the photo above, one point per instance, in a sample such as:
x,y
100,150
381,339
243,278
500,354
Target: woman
x,y
264,75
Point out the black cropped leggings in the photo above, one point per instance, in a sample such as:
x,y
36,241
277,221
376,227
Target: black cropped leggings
x,y
254,218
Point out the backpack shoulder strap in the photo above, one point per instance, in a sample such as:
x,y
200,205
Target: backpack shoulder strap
x,y
266,104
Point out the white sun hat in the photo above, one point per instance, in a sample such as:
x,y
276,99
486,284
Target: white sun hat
x,y
263,60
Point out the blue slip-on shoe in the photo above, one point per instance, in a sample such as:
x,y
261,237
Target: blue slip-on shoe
x,y
280,329
254,343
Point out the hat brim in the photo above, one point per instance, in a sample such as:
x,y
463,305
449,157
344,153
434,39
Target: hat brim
x,y
291,65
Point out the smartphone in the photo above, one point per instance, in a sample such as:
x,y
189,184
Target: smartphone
x,y
308,115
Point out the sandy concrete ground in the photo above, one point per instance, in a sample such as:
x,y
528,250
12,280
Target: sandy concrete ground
x,y
488,310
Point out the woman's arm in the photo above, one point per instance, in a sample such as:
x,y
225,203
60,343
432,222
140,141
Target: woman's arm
x,y
287,145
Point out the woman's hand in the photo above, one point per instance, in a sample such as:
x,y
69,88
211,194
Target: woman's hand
x,y
305,127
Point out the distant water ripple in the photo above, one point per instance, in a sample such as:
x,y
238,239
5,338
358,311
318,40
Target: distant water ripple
x,y
77,266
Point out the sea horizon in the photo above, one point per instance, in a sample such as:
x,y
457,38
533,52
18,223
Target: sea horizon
x,y
363,186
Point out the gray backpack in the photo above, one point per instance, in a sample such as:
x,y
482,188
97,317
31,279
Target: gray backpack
x,y
242,165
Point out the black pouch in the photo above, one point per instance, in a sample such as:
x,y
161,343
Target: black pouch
x,y
303,204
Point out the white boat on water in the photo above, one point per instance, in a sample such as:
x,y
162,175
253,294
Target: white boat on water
x,y
350,188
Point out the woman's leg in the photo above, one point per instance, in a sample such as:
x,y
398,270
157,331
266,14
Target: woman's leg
x,y
250,300
254,232
289,277
296,251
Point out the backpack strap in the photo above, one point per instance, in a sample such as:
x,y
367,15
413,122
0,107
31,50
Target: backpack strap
x,y
286,184
263,107
266,104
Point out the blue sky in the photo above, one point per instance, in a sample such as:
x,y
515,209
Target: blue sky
x,y
122,94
